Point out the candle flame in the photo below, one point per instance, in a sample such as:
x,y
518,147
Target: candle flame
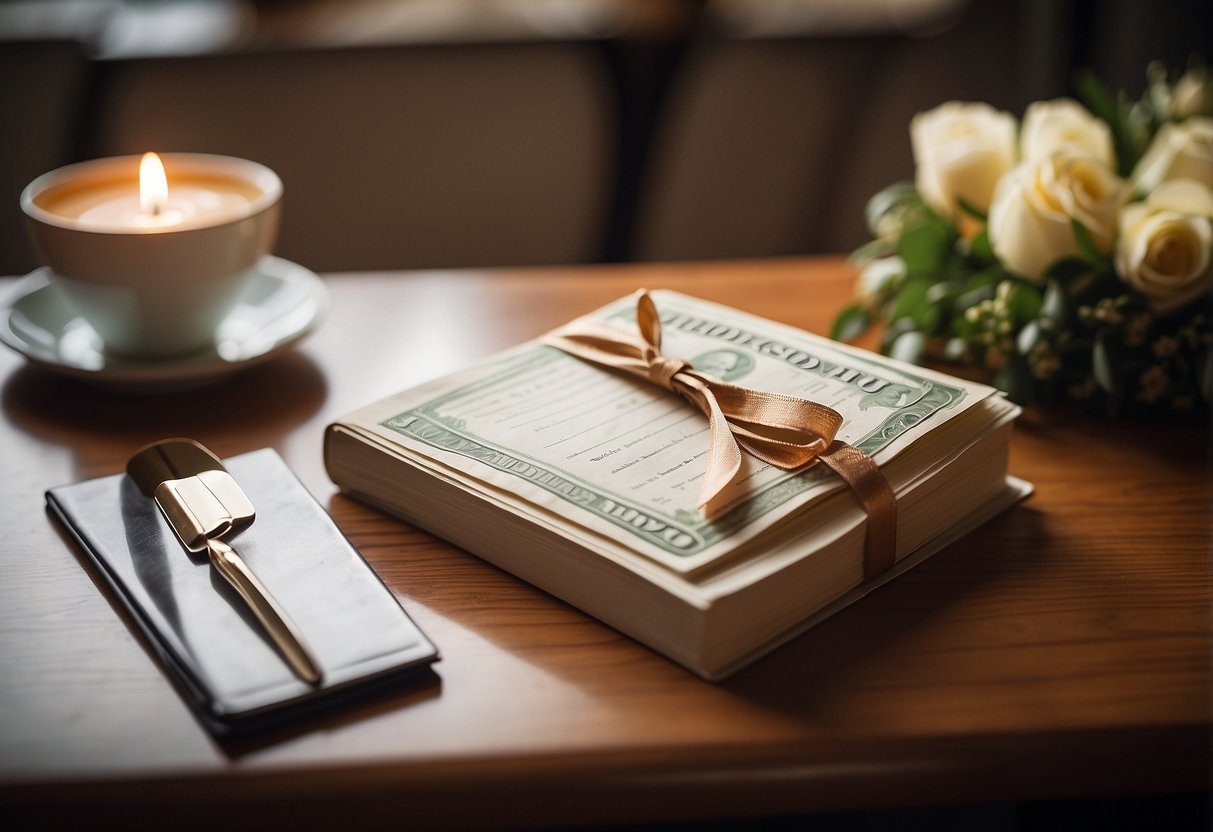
x,y
153,185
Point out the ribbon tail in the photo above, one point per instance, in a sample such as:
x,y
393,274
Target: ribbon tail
x,y
876,495
724,456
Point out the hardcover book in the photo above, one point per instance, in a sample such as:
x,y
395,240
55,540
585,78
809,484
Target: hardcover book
x,y
605,488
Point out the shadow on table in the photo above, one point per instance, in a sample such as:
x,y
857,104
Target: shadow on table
x,y
253,408
814,675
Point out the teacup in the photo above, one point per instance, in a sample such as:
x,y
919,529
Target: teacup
x,y
154,278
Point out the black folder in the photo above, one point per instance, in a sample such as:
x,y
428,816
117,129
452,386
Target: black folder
x,y
200,629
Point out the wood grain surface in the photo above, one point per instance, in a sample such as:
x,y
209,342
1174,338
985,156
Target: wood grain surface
x,y
1062,650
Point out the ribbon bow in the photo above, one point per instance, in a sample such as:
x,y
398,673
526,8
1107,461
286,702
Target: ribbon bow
x,y
783,431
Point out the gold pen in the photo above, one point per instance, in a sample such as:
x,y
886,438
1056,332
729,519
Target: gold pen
x,y
203,504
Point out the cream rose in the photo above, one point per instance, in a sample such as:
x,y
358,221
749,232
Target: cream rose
x,y
1030,216
1165,244
1049,126
1182,150
961,149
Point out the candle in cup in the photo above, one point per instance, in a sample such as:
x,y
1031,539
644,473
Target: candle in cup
x,y
150,201
154,265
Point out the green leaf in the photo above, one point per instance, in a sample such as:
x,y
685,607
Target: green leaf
x,y
963,328
924,248
956,349
970,209
869,251
911,297
893,331
1086,244
851,322
1127,130
1068,269
1029,337
927,317
1103,366
974,297
1055,306
1023,303
1095,94
990,277
1015,379
980,250
897,196
942,294
909,347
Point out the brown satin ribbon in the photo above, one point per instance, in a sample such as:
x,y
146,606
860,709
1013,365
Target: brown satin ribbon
x,y
783,431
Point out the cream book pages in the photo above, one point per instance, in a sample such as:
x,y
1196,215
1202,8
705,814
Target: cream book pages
x,y
603,469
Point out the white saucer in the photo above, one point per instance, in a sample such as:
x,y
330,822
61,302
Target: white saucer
x,y
282,303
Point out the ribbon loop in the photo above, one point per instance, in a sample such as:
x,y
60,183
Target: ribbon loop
x,y
783,431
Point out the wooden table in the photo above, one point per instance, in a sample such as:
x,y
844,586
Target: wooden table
x,y
1061,650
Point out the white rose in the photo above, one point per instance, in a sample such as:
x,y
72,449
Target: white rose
x,y
1030,217
1181,150
961,149
1048,126
1165,244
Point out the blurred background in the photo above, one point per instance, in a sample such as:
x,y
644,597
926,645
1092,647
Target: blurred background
x,y
452,133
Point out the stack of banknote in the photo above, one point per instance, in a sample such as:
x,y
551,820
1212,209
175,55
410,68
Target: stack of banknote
x,y
585,481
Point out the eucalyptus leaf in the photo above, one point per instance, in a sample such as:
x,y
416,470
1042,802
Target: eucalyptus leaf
x,y
973,297
942,293
1029,337
893,331
909,347
1056,305
851,322
869,251
899,195
1103,366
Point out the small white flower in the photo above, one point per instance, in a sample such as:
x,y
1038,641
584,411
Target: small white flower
x,y
1166,346
1153,384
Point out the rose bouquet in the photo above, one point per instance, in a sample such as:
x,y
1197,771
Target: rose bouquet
x,y
1069,255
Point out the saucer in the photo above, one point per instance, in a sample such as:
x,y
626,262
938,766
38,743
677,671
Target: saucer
x,y
282,303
